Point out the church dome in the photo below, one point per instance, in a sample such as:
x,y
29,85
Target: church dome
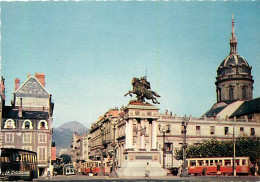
x,y
234,64
234,80
234,60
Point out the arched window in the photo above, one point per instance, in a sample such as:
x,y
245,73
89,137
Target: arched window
x,y
9,123
42,125
219,94
244,92
27,124
231,93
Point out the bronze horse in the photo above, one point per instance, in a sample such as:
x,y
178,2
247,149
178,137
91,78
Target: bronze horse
x,y
142,92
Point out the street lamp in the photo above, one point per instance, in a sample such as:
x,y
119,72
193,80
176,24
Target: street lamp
x,y
184,172
113,174
163,130
101,172
234,150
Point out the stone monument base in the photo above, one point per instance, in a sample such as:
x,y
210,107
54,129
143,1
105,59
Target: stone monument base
x,y
135,164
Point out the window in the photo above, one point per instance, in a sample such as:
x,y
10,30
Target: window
x,y
9,123
227,162
168,147
42,153
42,138
242,130
42,125
192,162
231,93
212,130
252,133
9,137
198,130
219,94
27,138
244,92
226,130
27,124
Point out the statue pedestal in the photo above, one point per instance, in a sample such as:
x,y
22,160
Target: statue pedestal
x,y
141,141
135,164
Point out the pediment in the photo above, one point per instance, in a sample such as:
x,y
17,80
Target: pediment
x,y
32,88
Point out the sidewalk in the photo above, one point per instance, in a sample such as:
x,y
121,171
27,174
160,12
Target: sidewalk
x,y
152,179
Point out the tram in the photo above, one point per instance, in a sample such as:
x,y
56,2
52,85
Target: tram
x,y
92,167
18,164
208,166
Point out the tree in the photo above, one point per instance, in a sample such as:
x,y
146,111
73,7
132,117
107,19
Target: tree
x,y
66,158
245,147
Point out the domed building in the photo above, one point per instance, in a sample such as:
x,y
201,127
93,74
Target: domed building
x,y
234,80
234,86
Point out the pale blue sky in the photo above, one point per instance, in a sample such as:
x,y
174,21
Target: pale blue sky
x,y
90,51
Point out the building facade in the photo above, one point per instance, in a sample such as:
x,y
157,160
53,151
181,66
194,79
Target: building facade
x,y
102,136
79,150
140,130
26,124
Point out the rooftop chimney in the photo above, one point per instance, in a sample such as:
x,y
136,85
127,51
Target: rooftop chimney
x,y
41,78
16,83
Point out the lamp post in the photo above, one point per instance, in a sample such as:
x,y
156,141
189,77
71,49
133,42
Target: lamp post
x,y
184,172
164,131
113,174
234,151
234,145
101,172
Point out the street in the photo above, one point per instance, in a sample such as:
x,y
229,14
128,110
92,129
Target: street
x,y
153,179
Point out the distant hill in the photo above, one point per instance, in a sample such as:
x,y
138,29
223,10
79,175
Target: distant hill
x,y
62,135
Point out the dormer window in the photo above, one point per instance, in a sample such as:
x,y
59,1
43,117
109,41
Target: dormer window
x,y
42,125
9,124
27,124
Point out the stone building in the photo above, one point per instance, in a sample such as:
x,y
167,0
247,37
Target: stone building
x,y
79,150
26,124
102,136
144,135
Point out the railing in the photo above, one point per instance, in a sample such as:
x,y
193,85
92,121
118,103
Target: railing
x,y
44,109
211,119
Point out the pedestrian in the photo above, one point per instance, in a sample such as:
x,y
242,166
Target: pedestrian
x,y
252,168
204,170
218,169
147,171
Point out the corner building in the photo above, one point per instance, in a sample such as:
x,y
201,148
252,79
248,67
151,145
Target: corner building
x,y
26,124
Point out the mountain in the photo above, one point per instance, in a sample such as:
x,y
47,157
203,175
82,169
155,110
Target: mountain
x,y
62,135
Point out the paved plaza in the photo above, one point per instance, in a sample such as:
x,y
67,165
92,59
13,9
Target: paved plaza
x,y
153,179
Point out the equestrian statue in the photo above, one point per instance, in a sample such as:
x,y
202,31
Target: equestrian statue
x,y
141,88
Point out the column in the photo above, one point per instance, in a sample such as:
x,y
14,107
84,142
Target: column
x,y
142,136
130,132
154,134
138,134
126,135
150,135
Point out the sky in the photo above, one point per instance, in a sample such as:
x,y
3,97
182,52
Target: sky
x,y
90,51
